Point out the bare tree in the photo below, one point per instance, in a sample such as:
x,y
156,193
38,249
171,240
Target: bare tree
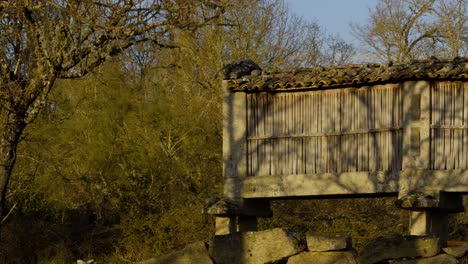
x,y
44,40
403,30
452,22
267,33
337,51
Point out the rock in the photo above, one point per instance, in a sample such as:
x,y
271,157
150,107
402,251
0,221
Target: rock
x,y
439,259
80,261
437,201
220,207
399,247
457,251
328,242
329,257
418,200
255,247
223,207
240,68
195,253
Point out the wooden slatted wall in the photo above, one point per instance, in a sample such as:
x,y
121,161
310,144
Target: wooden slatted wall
x,y
328,131
449,125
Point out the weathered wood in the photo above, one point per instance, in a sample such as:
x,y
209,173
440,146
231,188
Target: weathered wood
x,y
449,125
335,120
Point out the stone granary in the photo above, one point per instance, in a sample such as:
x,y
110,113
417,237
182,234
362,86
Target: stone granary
x,y
343,132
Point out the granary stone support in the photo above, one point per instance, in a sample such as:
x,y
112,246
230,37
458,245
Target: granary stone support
x,y
430,211
237,216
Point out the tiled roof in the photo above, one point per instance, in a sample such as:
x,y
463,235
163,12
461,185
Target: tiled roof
x,y
353,75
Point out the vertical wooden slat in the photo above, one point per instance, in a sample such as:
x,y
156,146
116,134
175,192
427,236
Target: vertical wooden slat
x,y
325,129
303,131
307,119
283,158
437,121
310,150
261,133
456,122
254,133
291,126
446,134
269,132
433,111
345,128
353,142
393,141
249,133
367,126
465,123
273,132
450,157
372,141
385,113
334,142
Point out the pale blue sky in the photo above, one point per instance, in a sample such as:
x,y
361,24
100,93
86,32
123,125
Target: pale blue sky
x,y
334,15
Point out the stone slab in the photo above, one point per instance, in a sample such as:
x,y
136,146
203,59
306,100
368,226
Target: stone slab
x,y
456,251
328,242
255,247
439,259
350,183
398,247
329,257
431,200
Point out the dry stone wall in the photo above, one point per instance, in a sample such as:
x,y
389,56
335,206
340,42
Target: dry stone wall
x,y
281,246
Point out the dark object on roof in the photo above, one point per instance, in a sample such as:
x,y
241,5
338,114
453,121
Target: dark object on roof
x,y
354,75
240,68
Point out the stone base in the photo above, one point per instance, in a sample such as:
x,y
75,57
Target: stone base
x,y
429,211
259,247
329,257
399,247
429,223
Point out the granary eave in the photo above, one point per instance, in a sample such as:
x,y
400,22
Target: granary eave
x,y
353,76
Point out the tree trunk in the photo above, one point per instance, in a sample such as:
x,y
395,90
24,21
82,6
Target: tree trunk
x,y
14,117
13,127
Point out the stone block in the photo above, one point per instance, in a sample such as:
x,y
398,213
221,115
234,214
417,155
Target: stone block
x,y
225,225
329,257
399,247
255,247
437,201
328,242
439,259
195,253
456,251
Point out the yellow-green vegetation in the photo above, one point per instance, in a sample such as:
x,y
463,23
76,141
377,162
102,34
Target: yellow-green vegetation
x,y
107,170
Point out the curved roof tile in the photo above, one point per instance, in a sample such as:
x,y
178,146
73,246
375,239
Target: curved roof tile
x,y
353,75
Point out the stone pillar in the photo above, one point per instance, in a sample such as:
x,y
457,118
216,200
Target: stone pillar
x,y
236,216
429,223
430,211
225,225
